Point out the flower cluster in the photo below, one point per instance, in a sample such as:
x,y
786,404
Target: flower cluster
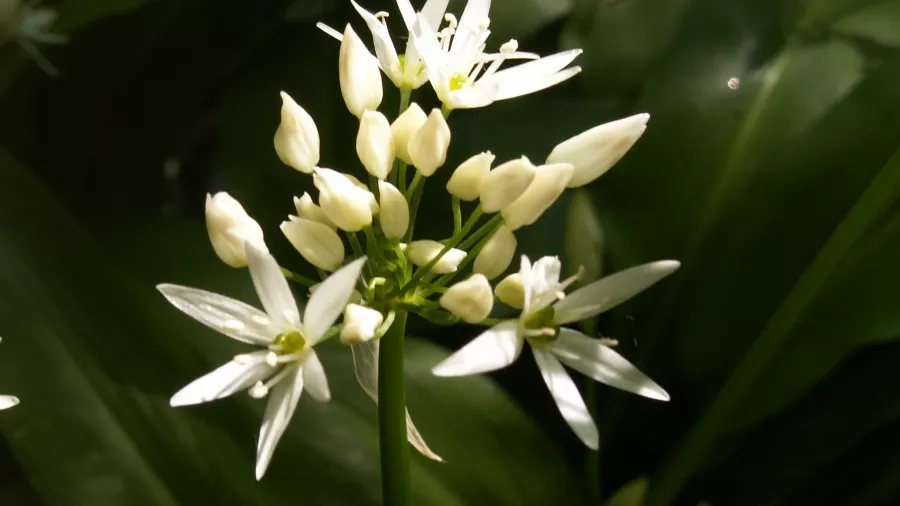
x,y
363,233
8,401
27,25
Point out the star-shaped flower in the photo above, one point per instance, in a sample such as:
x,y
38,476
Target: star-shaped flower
x,y
285,362
545,309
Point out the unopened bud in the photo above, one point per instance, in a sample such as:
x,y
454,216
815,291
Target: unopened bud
x,y
360,324
497,253
404,127
346,204
548,184
595,151
359,75
296,139
505,183
511,292
394,215
308,209
467,179
428,146
316,242
229,228
374,144
471,300
422,252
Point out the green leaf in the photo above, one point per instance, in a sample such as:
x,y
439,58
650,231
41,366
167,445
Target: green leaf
x,y
94,353
879,22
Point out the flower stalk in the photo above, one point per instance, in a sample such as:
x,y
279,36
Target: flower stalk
x,y
392,415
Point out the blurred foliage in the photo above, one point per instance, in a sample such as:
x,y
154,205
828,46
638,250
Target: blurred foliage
x,y
777,338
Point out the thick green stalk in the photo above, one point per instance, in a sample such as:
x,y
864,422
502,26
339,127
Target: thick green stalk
x,y
392,416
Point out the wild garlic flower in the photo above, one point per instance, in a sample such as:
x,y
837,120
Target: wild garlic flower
x,y
545,308
284,362
28,25
8,401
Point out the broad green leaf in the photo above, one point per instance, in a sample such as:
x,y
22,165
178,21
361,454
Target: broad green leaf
x,y
879,22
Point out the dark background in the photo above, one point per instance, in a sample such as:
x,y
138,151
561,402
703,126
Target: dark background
x,y
777,338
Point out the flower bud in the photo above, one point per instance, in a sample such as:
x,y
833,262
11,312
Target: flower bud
x,y
595,151
511,292
404,127
359,75
296,139
347,205
374,144
421,252
427,147
466,181
360,324
319,244
548,184
394,215
229,228
496,254
471,300
308,209
505,183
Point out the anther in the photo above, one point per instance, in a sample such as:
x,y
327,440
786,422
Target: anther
x,y
272,359
259,390
510,47
381,14
243,359
451,21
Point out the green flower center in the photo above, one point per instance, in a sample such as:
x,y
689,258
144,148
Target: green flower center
x,y
541,320
402,59
457,82
290,342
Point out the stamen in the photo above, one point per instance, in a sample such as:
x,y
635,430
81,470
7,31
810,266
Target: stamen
x,y
381,14
446,36
451,21
258,391
507,48
548,331
243,359
272,359
510,46
560,295
474,74
605,341
233,325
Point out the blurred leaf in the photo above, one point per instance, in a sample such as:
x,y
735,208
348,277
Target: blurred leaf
x,y
630,494
74,14
521,18
94,354
879,22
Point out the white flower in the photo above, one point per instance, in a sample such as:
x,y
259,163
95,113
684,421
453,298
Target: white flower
x,y
422,252
297,138
285,362
467,179
316,242
497,253
308,209
455,61
404,127
427,148
343,201
229,228
404,70
360,324
8,401
544,310
595,151
374,144
359,77
471,300
548,184
394,215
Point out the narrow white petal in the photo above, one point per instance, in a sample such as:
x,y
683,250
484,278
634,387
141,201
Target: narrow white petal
x,y
330,31
327,303
231,317
425,39
588,356
314,378
545,274
381,39
567,398
408,13
611,291
282,403
474,14
222,382
495,348
433,12
365,366
527,284
472,97
271,287
517,88
8,401
535,69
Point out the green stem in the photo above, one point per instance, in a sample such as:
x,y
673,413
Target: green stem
x,y
487,228
881,193
405,94
415,189
392,416
457,215
496,221
297,278
356,245
401,176
322,274
457,237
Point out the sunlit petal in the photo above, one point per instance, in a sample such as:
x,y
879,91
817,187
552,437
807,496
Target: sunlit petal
x,y
567,398
494,349
271,287
327,303
314,378
224,381
282,403
223,314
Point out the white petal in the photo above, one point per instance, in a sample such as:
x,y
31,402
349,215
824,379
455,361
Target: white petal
x,y
8,401
231,317
314,378
328,302
472,97
433,57
520,76
611,291
517,88
271,287
330,31
224,381
545,274
282,403
567,398
495,348
474,14
365,366
384,46
433,12
527,284
588,356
